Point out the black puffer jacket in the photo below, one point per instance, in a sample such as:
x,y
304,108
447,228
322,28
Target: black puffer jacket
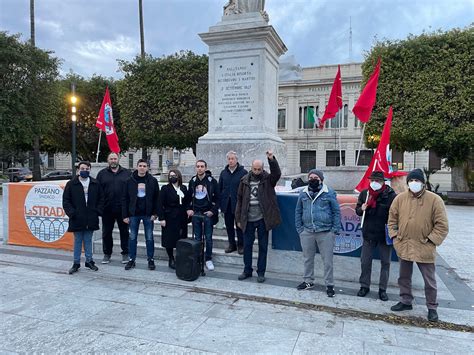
x,y
228,186
112,184
129,197
376,218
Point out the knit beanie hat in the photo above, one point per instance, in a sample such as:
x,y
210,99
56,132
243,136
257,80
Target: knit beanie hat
x,y
317,172
416,174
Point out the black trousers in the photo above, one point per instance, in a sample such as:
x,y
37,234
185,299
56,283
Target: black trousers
x,y
108,222
229,219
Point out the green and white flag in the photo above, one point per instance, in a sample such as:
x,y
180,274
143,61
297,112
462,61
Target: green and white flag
x,y
312,118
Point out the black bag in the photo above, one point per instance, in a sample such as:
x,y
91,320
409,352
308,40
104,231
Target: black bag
x,y
188,259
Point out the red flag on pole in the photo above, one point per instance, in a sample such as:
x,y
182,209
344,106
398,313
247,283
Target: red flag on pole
x,y
364,105
382,159
105,122
335,99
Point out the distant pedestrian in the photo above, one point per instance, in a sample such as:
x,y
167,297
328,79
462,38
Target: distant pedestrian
x,y
418,224
317,221
257,210
112,180
172,213
375,202
83,202
140,203
229,181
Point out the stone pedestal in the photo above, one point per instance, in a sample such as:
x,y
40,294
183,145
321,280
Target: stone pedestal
x,y
244,56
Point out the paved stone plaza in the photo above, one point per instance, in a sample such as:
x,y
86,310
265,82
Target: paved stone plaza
x,y
45,310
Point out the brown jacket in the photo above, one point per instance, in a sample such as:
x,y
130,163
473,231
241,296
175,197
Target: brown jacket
x,y
419,225
266,198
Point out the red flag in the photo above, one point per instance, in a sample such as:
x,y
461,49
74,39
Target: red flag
x,y
364,105
335,99
382,159
105,122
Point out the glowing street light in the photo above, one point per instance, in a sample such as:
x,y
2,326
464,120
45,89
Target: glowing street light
x,y
73,119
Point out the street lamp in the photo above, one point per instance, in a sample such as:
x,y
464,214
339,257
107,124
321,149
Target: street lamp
x,y
73,119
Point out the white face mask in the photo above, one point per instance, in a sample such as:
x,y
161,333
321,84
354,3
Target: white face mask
x,y
375,185
415,186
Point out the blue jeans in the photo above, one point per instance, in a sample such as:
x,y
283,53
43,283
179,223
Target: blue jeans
x,y
132,242
200,220
249,239
83,238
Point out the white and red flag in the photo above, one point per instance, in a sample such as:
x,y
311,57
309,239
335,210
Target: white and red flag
x,y
105,122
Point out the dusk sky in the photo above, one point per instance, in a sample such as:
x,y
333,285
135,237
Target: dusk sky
x,y
90,35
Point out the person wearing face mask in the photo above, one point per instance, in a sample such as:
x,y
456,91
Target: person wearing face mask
x,y
317,221
83,203
375,202
417,223
257,210
172,213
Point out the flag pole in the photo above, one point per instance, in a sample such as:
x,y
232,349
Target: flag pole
x,y
360,142
98,147
340,142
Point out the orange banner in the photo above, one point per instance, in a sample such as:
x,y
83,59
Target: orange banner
x,y
36,217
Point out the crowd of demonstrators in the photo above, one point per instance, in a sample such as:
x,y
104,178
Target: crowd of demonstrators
x,y
415,221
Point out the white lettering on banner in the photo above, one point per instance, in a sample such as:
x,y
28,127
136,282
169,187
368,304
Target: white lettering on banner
x,y
350,238
44,213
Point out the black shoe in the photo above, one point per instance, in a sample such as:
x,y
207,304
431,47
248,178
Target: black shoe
x,y
260,279
432,315
244,276
75,268
363,291
330,291
401,307
151,264
130,265
305,286
230,249
240,250
91,265
172,264
383,295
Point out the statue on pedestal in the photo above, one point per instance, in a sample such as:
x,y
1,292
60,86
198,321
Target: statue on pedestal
x,y
235,7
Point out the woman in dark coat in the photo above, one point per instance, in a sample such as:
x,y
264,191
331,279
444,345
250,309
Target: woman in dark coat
x,y
172,213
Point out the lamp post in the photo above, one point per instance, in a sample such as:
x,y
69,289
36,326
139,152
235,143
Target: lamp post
x,y
73,119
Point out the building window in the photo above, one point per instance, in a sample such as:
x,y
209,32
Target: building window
x,y
434,161
307,160
364,158
303,117
160,161
333,158
130,161
397,160
281,118
51,161
341,119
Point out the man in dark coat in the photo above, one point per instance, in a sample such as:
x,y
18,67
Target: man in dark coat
x,y
203,207
140,203
112,180
257,209
229,181
83,202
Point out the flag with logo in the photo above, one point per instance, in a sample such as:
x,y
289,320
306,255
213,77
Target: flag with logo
x,y
105,122
335,99
364,105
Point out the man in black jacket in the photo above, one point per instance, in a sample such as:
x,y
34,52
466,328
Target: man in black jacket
x,y
83,202
112,180
375,203
203,192
229,181
140,203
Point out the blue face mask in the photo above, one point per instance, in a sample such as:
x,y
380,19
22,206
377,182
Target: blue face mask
x,y
84,174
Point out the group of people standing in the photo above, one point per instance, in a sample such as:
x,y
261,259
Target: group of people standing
x,y
414,221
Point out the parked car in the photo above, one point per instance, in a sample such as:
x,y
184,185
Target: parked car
x,y
57,175
19,174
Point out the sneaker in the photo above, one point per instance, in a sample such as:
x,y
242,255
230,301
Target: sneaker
x,y
260,279
106,259
240,250
432,315
401,307
91,265
151,264
130,265
230,249
363,292
330,291
244,276
209,265
75,268
124,259
383,295
305,286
